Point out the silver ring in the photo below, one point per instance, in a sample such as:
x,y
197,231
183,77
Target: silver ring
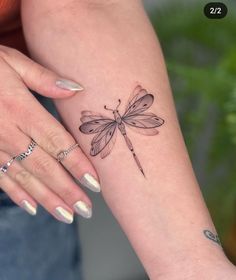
x,y
62,154
27,153
5,166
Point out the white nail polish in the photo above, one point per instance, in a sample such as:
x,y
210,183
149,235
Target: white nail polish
x,y
29,207
90,182
68,85
83,209
64,215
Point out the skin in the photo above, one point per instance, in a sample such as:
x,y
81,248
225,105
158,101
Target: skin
x,y
110,45
32,179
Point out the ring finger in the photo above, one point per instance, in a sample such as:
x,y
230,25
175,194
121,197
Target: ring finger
x,y
52,175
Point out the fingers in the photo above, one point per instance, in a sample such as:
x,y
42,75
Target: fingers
x,y
52,137
80,167
37,77
20,185
43,195
50,177
47,132
40,177
15,192
52,174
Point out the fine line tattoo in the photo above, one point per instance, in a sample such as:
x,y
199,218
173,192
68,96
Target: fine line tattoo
x,y
210,235
134,117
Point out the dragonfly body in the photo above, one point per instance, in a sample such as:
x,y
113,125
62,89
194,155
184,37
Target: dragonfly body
x,y
134,117
129,144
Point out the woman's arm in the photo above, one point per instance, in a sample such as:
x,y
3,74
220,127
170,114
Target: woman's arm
x,y
112,48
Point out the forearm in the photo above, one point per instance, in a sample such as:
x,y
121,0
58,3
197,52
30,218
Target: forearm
x,y
110,48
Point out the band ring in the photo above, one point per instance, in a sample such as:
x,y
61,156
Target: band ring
x,y
62,154
19,157
29,151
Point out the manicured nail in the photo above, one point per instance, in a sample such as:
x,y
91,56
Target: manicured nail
x,y
83,209
29,207
68,85
90,182
64,215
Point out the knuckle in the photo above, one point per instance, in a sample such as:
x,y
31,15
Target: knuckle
x,y
56,141
37,71
34,70
53,139
13,108
40,71
23,177
41,166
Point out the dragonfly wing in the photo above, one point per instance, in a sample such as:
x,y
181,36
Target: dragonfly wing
x,y
144,131
140,105
87,116
134,117
136,94
144,121
101,140
93,122
107,149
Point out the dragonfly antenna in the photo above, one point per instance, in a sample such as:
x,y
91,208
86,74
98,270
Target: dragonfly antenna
x,y
108,109
119,102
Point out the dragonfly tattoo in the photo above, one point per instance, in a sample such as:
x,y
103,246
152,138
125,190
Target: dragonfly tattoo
x,y
134,117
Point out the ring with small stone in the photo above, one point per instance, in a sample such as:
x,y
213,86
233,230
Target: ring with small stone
x,y
62,154
5,166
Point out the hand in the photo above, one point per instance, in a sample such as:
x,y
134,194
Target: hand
x,y
39,178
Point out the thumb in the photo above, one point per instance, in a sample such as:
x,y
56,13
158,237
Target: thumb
x,y
38,78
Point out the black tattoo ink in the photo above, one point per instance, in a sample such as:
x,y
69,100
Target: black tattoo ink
x,y
210,235
106,128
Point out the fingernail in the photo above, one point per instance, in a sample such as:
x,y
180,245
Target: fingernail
x,y
64,215
90,182
83,209
69,85
29,207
